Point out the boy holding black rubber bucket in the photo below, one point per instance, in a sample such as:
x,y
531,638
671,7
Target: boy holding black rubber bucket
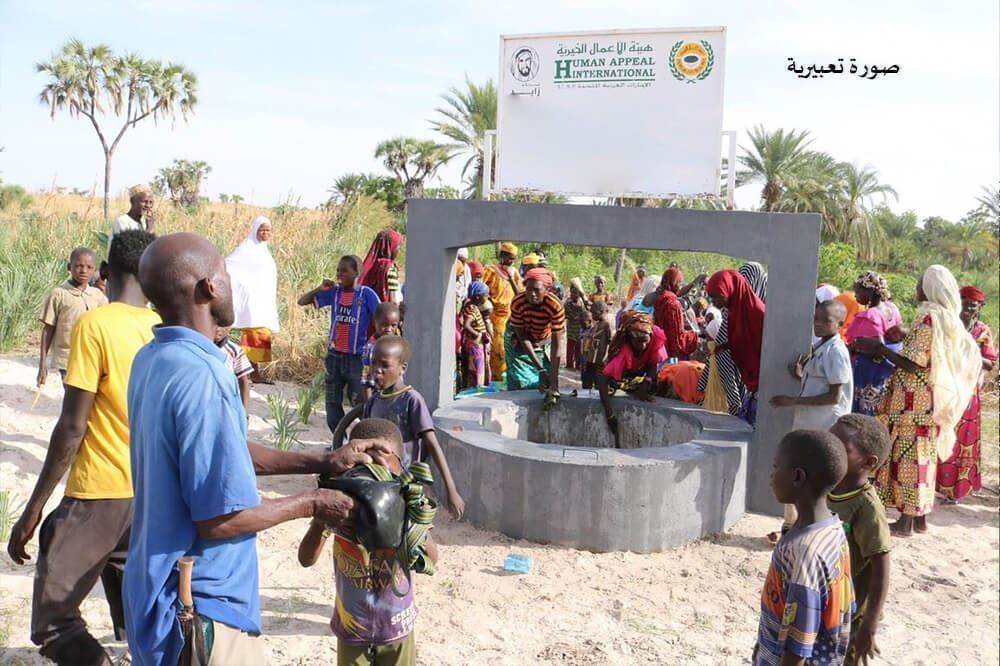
x,y
374,611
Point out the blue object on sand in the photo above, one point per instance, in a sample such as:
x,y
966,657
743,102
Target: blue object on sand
x,y
517,563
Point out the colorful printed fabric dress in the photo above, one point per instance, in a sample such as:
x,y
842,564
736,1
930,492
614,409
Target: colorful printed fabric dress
x,y
906,482
476,368
959,475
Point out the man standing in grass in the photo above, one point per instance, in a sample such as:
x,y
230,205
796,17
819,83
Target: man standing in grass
x,y
89,528
139,215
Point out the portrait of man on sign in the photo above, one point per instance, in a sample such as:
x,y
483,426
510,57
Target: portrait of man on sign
x,y
524,66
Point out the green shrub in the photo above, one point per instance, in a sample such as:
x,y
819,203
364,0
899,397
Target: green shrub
x,y
14,196
838,265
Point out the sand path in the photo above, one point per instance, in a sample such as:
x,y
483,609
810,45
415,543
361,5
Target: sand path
x,y
697,604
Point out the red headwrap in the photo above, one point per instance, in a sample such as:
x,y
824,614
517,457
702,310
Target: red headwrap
x,y
380,258
972,293
746,323
476,269
542,275
673,277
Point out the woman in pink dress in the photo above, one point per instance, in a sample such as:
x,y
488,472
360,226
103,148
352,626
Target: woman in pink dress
x,y
958,476
871,373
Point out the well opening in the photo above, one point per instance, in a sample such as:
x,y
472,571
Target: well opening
x,y
579,422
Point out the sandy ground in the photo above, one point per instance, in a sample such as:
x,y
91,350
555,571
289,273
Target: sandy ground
x,y
697,604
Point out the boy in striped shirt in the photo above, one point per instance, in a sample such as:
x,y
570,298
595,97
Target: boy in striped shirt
x,y
808,596
237,361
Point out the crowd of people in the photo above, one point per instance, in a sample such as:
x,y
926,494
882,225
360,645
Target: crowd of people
x,y
902,404
153,432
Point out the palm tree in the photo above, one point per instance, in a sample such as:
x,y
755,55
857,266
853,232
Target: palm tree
x,y
467,116
989,203
860,186
964,241
92,82
412,161
775,158
348,186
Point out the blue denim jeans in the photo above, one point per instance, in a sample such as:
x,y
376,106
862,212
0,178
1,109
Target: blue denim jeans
x,y
341,370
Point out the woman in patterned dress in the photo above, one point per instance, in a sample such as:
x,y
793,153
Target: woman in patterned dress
x,y
935,377
959,475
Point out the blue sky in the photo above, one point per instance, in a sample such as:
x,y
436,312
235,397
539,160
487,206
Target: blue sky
x,y
295,94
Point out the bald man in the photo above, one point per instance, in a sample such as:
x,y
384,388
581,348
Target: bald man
x,y
193,471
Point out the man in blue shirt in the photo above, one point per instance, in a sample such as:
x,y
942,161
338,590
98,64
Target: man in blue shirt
x,y
194,473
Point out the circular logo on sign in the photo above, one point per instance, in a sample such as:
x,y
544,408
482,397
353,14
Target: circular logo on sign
x,y
691,61
524,64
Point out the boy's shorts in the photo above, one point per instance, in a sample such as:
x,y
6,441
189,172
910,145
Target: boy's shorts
x,y
402,653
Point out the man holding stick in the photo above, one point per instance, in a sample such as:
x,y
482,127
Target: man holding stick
x,y
193,472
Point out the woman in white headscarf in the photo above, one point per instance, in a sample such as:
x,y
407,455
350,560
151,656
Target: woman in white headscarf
x,y
935,377
255,293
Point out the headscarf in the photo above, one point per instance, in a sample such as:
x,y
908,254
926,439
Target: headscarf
x,y
475,269
649,285
141,188
509,248
463,253
745,323
632,320
875,282
577,283
531,259
826,292
673,276
254,276
955,357
852,307
972,293
542,275
478,288
756,277
378,261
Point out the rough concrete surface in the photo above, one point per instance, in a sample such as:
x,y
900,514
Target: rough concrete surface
x,y
687,480
787,243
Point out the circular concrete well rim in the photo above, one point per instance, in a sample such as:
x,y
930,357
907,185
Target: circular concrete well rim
x,y
601,499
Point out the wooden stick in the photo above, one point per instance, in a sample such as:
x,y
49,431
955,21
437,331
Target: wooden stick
x,y
184,566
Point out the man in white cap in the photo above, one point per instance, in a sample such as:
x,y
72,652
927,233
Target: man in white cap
x,y
139,215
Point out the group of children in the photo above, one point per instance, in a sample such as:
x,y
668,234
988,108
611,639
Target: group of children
x,y
829,574
828,577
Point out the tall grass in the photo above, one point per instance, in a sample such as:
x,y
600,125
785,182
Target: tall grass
x,y
35,244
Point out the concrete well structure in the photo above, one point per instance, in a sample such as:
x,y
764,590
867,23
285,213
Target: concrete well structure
x,y
555,477
787,243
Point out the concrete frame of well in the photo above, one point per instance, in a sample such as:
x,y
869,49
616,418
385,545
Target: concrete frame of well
x,y
787,243
641,499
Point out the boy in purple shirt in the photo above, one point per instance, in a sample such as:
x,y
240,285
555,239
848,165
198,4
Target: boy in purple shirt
x,y
403,405
374,611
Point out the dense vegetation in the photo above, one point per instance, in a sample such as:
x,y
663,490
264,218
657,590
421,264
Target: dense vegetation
x,y
860,231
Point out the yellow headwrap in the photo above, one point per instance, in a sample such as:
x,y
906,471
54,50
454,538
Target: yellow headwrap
x,y
531,259
509,248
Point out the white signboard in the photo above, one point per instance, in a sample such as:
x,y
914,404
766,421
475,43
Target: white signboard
x,y
621,113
